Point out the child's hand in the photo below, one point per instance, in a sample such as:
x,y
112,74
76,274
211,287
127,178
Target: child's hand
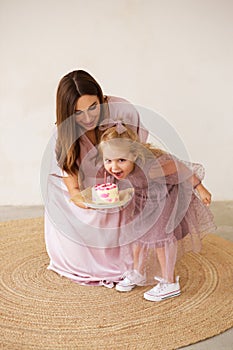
x,y
204,194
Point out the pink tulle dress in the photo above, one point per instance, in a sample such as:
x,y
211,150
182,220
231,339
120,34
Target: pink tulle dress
x,y
166,214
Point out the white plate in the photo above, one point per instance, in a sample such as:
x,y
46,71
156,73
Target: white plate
x,y
124,196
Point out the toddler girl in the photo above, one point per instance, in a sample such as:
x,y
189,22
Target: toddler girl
x,y
168,212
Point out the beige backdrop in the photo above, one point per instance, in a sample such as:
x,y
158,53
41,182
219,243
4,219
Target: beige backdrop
x,y
175,57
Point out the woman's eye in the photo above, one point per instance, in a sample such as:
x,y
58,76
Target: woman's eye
x,y
107,161
122,160
78,112
92,108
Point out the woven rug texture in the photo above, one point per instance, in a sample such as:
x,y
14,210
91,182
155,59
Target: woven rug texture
x,y
41,310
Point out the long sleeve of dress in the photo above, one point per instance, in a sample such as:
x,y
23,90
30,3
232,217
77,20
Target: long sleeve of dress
x,y
171,170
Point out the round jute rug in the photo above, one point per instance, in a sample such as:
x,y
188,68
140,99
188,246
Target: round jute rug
x,y
41,310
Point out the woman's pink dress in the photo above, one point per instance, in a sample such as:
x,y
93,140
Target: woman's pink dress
x,y
82,244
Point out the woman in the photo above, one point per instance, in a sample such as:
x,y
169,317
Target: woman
x,y
82,243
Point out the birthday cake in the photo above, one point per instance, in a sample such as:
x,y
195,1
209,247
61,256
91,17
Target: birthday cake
x,y
105,193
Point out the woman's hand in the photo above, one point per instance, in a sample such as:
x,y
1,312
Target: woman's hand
x,y
77,198
72,185
204,194
80,204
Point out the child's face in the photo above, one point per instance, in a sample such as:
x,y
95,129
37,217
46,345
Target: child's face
x,y
118,162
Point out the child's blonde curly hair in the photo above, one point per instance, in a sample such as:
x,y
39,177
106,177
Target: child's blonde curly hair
x,y
141,150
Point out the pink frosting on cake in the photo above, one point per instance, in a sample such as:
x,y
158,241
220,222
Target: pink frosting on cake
x,y
105,193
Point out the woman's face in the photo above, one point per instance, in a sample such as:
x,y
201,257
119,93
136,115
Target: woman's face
x,y
118,161
87,112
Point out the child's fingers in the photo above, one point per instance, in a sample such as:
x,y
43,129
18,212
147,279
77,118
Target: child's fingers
x,y
207,201
209,198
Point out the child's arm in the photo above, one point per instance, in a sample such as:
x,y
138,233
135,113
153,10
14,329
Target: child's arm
x,y
72,185
175,171
204,194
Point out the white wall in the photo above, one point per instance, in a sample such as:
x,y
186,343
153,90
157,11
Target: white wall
x,y
175,57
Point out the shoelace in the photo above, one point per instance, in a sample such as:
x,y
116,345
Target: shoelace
x,y
132,276
162,285
163,281
160,280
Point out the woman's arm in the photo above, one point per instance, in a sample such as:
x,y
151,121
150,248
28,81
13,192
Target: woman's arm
x,y
72,185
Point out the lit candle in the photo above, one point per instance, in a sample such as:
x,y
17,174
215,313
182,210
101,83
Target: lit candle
x,y
105,177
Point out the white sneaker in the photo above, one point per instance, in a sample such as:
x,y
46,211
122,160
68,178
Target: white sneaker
x,y
130,280
163,290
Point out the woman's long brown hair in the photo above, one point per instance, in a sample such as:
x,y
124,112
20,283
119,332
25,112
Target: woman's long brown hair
x,y
71,87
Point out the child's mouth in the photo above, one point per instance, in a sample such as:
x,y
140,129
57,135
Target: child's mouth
x,y
118,175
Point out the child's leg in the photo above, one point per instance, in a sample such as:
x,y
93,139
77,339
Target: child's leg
x,y
162,260
134,277
136,251
167,260
169,287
